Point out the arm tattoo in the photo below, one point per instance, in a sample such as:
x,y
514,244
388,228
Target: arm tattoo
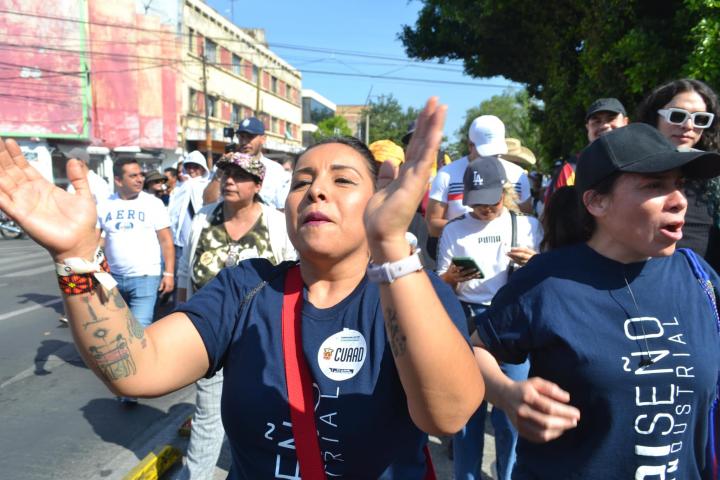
x,y
113,356
397,339
135,329
94,318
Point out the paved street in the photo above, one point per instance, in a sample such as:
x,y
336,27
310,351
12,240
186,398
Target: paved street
x,y
57,421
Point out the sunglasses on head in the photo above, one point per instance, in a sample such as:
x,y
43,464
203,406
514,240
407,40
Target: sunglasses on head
x,y
678,116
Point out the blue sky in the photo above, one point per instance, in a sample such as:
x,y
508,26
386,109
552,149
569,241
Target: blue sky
x,y
368,27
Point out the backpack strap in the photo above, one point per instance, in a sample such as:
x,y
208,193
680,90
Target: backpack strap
x,y
513,239
704,280
712,447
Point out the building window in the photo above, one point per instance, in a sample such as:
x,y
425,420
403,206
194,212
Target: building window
x,y
191,40
274,84
212,104
194,101
236,64
274,124
210,51
235,114
255,73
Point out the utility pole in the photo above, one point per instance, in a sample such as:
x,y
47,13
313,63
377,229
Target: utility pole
x,y
232,11
208,136
367,116
257,92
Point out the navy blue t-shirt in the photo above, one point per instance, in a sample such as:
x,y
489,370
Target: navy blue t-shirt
x,y
361,410
571,311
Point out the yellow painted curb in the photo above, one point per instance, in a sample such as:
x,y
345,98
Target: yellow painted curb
x,y
155,464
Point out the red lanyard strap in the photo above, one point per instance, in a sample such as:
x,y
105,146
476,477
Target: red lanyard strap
x,y
299,385
299,381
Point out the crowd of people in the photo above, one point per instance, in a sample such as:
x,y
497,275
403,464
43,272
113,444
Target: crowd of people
x,y
335,311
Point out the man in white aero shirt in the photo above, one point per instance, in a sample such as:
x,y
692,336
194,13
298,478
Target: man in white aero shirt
x,y
486,138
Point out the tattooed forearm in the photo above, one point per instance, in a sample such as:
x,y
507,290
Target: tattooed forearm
x,y
112,357
117,299
396,337
135,328
94,319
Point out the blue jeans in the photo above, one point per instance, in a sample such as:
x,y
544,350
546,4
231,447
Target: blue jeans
x,y
468,443
140,294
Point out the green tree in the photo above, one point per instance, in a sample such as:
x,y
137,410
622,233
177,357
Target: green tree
x,y
515,109
388,120
568,53
332,127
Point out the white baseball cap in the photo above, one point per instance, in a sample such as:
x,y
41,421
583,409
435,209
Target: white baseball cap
x,y
487,133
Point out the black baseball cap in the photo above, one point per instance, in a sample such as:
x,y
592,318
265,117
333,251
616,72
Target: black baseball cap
x,y
251,125
605,105
483,182
639,148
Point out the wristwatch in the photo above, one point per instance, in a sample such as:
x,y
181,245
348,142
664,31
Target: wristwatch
x,y
389,271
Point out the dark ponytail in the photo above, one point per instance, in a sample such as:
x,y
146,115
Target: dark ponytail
x,y
565,219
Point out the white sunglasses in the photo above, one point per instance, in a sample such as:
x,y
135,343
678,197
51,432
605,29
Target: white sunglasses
x,y
678,116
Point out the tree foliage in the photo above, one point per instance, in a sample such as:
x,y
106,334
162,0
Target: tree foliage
x,y
332,127
388,120
568,53
515,109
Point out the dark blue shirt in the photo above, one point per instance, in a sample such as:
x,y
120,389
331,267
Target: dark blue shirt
x,y
573,313
361,410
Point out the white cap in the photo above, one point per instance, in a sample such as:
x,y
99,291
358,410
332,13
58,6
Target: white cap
x,y
487,133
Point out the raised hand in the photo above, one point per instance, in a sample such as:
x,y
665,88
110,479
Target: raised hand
x,y
61,222
390,211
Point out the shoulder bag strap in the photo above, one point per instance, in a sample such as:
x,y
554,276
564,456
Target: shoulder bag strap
x,y
513,239
299,381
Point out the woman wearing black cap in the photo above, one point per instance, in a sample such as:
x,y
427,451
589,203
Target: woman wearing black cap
x,y
623,338
333,366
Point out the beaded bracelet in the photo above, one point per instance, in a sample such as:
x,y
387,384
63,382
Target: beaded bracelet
x,y
77,276
78,283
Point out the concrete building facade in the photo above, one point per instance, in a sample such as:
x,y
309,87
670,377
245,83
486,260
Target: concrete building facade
x,y
355,117
231,72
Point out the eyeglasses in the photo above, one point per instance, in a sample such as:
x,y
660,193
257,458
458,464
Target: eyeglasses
x,y
678,116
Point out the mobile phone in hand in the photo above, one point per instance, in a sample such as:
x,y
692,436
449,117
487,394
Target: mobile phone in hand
x,y
467,264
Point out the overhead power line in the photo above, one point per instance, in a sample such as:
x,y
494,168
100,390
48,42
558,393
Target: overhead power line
x,y
354,53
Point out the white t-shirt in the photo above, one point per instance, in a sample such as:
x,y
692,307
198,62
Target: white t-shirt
x,y
131,244
276,184
448,185
487,243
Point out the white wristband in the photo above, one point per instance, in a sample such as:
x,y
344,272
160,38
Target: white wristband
x,y
77,265
390,271
168,274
